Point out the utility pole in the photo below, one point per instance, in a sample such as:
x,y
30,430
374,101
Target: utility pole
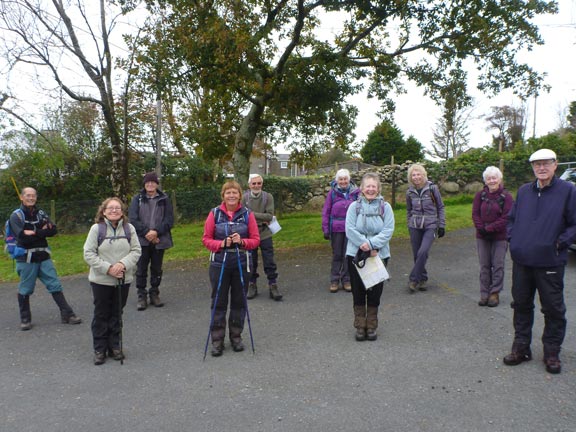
x,y
159,87
159,134
534,118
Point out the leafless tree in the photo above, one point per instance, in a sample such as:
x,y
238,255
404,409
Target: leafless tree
x,y
510,123
451,134
63,38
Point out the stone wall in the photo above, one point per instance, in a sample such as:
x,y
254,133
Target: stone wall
x,y
392,177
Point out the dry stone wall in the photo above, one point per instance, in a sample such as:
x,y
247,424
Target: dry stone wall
x,y
391,177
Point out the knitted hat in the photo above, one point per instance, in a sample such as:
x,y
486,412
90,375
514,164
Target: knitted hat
x,y
151,176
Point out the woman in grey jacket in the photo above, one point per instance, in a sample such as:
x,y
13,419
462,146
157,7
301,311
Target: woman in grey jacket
x,y
112,251
369,227
426,219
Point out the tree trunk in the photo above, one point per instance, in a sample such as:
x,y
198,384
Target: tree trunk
x,y
117,173
244,141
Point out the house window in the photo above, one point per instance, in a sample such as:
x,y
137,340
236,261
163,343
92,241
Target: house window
x,y
284,164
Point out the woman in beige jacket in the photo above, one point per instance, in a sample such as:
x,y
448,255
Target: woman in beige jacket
x,y
112,251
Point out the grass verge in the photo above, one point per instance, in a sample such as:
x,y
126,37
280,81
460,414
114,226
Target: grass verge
x,y
297,230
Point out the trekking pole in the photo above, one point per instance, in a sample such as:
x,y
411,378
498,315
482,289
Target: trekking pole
x,y
15,187
215,302
245,299
119,283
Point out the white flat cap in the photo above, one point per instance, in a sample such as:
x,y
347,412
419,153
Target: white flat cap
x,y
542,154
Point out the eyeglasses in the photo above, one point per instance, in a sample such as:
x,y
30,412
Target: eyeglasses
x,y
256,183
546,163
114,209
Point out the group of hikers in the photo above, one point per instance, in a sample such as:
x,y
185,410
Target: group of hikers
x,y
538,227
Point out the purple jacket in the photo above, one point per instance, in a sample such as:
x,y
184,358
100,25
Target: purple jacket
x,y
424,211
336,206
542,224
490,211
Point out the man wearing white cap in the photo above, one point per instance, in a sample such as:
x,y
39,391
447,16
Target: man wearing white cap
x,y
262,205
541,226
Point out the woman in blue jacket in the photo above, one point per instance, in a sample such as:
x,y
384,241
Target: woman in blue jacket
x,y
369,227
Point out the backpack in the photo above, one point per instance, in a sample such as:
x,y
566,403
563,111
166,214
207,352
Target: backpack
x,y
501,199
12,247
333,192
432,194
358,207
217,211
102,228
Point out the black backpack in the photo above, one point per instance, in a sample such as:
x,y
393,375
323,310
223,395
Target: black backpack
x,y
501,199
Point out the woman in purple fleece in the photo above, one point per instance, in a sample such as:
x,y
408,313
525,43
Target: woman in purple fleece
x,y
490,216
342,194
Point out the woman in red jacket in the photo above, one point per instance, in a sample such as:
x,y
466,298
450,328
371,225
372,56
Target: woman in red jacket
x,y
229,232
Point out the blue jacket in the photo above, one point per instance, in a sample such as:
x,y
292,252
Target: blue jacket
x,y
367,224
542,224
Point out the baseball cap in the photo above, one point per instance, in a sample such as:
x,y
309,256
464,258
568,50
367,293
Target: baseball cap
x,y
542,154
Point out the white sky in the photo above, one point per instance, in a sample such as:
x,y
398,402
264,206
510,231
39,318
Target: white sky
x,y
417,115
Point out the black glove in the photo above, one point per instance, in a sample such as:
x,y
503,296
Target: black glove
x,y
326,236
483,232
360,258
441,232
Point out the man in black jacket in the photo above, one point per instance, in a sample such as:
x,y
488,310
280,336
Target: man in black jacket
x,y
152,215
541,227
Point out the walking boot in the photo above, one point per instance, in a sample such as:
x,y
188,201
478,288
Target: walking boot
x,y
552,360
217,348
493,300
252,291
334,287
155,300
422,286
274,293
347,286
67,315
483,301
412,287
142,303
520,353
116,354
25,314
99,358
71,319
218,333
371,323
236,339
360,322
